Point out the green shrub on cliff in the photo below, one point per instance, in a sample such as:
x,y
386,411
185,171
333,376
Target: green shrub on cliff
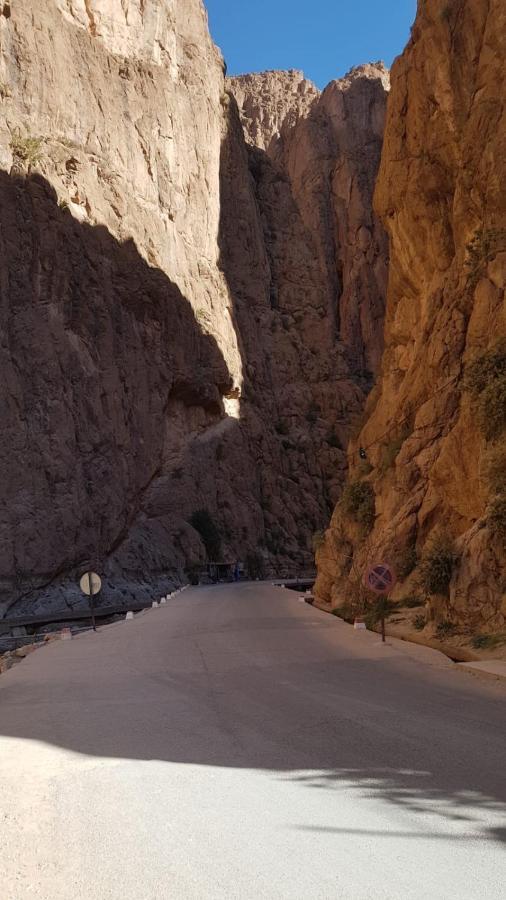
x,y
494,468
485,379
445,629
488,641
491,407
359,503
26,150
438,563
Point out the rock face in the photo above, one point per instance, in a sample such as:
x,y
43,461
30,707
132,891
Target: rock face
x,y
431,496
180,328
328,147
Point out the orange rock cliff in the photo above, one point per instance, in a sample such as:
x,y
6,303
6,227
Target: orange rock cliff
x,y
431,494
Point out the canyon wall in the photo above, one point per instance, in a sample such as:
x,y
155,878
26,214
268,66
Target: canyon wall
x,y
328,147
430,496
186,324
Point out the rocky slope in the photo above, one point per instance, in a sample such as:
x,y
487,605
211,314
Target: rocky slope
x,y
431,496
178,329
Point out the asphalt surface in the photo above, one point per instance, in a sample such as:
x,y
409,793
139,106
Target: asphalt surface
x,y
239,744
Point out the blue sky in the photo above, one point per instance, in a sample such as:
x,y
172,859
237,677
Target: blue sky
x,y
324,38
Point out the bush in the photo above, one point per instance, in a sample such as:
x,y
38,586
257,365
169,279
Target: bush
x,y
494,469
359,503
26,150
486,368
380,608
406,561
491,408
496,517
488,641
437,565
419,622
485,379
203,523
445,629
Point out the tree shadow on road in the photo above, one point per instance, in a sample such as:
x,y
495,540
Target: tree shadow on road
x,y
462,812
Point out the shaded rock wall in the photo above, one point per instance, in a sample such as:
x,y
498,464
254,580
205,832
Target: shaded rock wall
x,y
440,194
168,332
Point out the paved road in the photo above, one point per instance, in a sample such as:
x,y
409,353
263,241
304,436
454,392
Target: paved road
x,y
240,744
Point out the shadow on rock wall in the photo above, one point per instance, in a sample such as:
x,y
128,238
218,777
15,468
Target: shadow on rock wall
x,y
96,347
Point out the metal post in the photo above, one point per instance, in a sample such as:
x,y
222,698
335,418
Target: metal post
x,y
384,602
91,603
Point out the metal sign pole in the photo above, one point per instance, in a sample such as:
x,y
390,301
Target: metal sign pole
x,y
92,602
380,579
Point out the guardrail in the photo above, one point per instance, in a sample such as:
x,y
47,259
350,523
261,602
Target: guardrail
x,y
73,615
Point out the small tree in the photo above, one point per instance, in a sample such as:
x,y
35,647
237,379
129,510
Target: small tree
x,y
485,379
379,609
359,503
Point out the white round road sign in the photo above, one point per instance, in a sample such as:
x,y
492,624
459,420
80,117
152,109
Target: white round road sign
x,y
90,583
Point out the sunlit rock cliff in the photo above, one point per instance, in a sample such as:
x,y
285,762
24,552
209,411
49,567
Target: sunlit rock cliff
x,y
431,494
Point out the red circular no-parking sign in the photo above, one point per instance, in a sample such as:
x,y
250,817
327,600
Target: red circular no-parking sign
x,y
380,578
